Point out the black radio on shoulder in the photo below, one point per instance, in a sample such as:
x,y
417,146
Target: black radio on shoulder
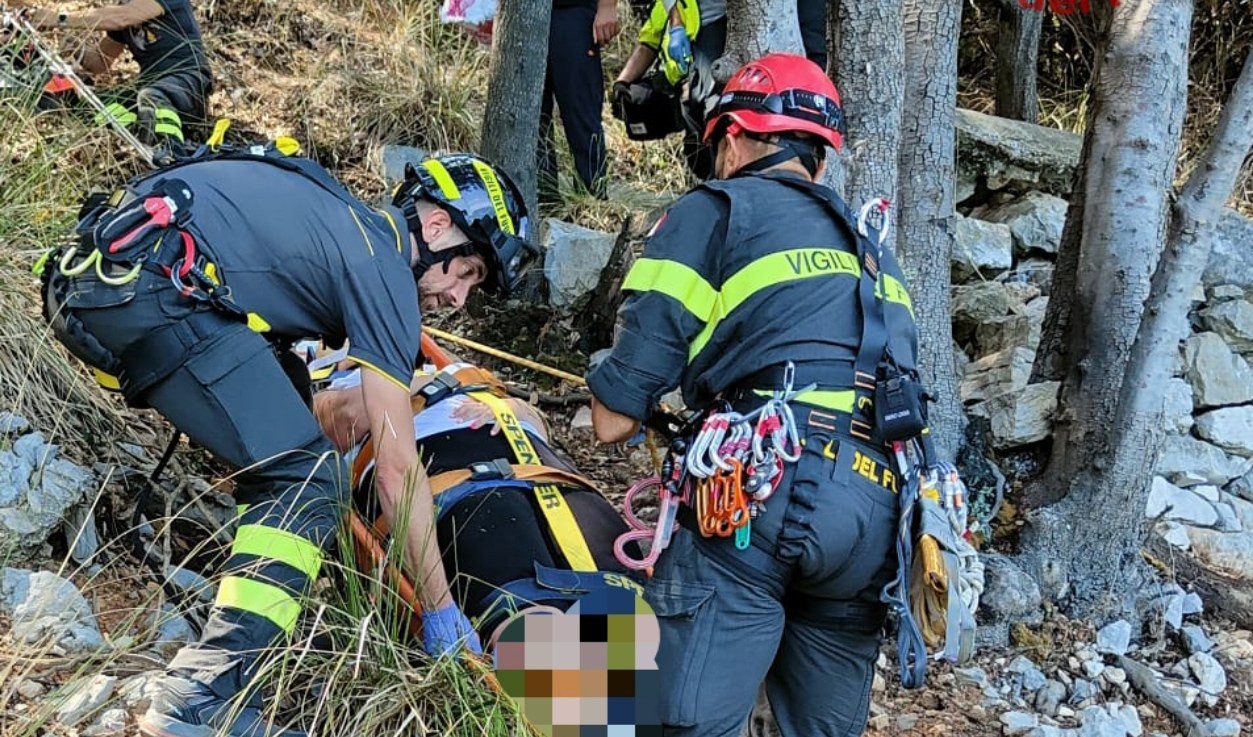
x,y
900,406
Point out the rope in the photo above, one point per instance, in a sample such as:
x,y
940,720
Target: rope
x,y
497,353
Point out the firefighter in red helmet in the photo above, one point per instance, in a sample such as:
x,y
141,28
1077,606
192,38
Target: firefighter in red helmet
x,y
752,283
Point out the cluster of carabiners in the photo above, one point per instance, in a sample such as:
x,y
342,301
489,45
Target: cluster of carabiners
x,y
737,462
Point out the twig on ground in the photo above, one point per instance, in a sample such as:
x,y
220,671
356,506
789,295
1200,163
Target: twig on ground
x,y
1145,681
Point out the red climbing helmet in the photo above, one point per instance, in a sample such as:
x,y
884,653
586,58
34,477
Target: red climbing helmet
x,y
776,94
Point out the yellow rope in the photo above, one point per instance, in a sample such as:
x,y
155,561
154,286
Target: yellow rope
x,y
578,380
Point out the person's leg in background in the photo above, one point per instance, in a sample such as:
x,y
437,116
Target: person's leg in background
x,y
548,184
813,19
574,67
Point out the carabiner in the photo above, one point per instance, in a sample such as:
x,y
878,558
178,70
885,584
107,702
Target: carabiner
x,y
118,281
63,264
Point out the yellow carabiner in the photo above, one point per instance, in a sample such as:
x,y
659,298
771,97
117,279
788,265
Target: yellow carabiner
x,y
126,278
81,268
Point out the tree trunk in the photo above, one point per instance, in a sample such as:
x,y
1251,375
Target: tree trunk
x,y
925,215
514,88
1050,357
866,45
756,28
1106,442
1017,50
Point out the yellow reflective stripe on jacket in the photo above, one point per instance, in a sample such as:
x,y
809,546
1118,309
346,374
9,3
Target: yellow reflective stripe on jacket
x,y
675,280
280,545
768,271
891,290
654,28
443,179
258,597
496,195
552,502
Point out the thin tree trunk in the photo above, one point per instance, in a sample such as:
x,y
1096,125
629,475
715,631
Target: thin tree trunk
x,y
866,46
756,28
514,89
927,181
1104,451
1017,52
1051,357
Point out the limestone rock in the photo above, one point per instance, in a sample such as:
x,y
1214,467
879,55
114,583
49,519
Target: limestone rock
x,y
1230,428
1009,594
982,249
1231,259
1219,377
1233,322
1223,728
1013,331
1231,552
1195,640
999,150
1050,698
1175,534
84,698
31,689
1187,461
1114,638
1019,722
139,690
974,304
38,489
574,256
582,419
393,159
111,722
1210,676
996,374
1178,406
1178,504
1022,417
44,606
173,632
1035,220
12,424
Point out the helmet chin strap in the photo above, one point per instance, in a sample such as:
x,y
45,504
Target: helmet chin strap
x,y
427,257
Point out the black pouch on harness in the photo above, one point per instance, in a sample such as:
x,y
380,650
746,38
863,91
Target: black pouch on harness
x,y
900,407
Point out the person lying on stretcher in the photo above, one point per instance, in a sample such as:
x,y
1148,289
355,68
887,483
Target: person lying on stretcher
x,y
518,525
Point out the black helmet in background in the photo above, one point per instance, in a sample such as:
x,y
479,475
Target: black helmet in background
x,y
484,203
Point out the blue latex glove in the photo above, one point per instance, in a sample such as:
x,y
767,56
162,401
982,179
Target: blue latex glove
x,y
444,630
676,52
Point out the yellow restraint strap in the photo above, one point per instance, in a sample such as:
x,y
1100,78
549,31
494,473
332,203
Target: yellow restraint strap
x,y
551,501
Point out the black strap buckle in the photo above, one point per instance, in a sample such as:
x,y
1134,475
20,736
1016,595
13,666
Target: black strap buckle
x,y
490,470
439,388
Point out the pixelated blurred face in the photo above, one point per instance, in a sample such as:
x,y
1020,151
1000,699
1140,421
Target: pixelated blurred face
x,y
594,666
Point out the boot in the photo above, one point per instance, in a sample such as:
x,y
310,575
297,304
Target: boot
x,y
187,708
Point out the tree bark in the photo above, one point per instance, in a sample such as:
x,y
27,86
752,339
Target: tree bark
x,y
866,46
514,90
1017,51
756,28
1051,357
925,215
1105,444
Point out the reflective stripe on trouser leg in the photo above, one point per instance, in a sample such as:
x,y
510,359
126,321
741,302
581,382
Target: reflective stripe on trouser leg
x,y
166,122
118,112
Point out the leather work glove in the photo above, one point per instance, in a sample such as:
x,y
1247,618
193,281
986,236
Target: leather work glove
x,y
445,629
676,53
